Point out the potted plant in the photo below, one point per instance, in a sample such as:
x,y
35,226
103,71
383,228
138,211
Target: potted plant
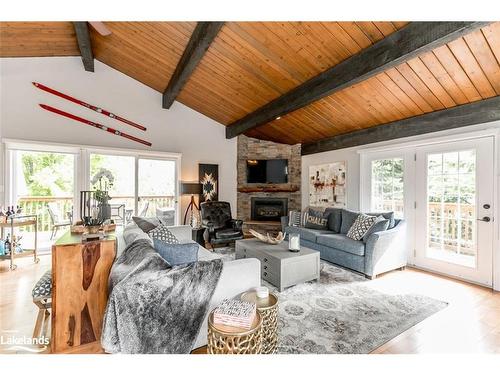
x,y
101,182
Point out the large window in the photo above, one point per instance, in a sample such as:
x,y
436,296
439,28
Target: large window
x,y
46,180
387,186
122,189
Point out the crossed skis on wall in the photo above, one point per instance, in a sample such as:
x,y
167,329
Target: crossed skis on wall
x,y
93,108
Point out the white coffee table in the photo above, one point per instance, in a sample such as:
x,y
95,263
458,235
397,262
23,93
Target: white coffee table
x,y
279,266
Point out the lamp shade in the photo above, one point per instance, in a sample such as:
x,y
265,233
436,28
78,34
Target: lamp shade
x,y
191,188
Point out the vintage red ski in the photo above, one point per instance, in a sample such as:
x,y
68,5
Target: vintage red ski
x,y
87,105
94,124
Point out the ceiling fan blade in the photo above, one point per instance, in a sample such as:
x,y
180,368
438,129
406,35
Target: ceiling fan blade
x,y
101,28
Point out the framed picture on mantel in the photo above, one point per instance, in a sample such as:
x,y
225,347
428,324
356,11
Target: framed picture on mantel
x,y
327,185
209,179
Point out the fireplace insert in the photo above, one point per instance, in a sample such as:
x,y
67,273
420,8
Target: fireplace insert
x,y
268,209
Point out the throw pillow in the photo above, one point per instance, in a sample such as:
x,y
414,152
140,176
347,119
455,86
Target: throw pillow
x,y
176,254
387,215
147,224
334,219
348,218
361,225
315,219
162,233
380,225
295,219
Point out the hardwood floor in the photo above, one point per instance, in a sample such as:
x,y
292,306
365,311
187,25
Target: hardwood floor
x,y
470,324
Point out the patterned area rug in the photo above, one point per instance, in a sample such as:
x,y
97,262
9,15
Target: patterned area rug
x,y
341,314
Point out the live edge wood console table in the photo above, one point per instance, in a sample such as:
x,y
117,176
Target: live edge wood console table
x,y
80,274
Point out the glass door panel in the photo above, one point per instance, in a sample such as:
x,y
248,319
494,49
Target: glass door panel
x,y
454,232
157,189
451,191
44,185
122,187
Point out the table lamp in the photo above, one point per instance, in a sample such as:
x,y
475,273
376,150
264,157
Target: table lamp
x,y
191,188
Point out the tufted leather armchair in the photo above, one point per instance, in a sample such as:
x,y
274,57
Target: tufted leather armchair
x,y
220,226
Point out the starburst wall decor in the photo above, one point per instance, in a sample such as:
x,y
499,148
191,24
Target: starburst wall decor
x,y
209,179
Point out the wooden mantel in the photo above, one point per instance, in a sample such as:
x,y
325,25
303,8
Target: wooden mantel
x,y
268,189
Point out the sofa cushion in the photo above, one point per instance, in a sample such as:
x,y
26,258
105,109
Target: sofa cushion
x,y
176,254
342,242
387,215
348,218
315,219
361,225
307,233
334,219
147,224
379,226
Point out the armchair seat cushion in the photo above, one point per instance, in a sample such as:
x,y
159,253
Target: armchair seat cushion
x,y
342,242
227,233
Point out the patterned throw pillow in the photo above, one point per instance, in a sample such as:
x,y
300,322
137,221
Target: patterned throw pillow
x,y
315,219
295,219
162,233
360,226
147,224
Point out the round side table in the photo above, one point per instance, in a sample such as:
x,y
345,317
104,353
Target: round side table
x,y
224,339
268,308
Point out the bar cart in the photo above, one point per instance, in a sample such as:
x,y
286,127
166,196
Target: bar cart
x,y
15,221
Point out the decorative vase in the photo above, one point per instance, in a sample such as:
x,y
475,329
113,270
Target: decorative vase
x,y
294,242
105,211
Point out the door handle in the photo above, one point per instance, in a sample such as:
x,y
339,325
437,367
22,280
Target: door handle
x,y
486,219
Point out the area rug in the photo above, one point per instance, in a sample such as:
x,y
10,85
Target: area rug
x,y
341,314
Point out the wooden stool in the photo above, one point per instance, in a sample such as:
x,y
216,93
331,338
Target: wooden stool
x,y
42,297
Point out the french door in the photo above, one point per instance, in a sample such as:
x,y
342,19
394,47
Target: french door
x,y
454,209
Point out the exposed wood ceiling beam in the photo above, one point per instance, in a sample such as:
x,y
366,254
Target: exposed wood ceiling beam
x,y
395,49
85,45
479,112
203,35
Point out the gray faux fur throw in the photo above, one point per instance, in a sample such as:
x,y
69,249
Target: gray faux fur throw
x,y
153,308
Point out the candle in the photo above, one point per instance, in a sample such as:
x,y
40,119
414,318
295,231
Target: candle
x,y
294,242
262,292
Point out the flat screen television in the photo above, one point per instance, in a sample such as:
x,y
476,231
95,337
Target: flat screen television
x,y
273,171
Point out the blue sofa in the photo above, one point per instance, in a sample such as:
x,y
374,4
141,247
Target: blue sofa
x,y
377,253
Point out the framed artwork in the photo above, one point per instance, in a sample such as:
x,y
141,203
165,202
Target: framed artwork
x,y
327,185
209,180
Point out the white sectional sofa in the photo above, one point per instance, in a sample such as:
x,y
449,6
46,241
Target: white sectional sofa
x,y
237,276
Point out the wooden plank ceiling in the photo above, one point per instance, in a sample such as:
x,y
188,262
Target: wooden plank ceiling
x,y
252,63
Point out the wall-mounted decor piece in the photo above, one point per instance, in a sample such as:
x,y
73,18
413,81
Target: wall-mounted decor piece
x,y
209,179
94,124
327,185
87,105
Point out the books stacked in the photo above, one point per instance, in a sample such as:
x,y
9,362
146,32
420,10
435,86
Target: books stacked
x,y
236,313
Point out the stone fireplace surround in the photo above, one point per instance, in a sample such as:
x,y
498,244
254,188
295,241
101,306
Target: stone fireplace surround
x,y
251,148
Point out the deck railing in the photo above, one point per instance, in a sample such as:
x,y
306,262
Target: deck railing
x,y
449,220
64,207
38,206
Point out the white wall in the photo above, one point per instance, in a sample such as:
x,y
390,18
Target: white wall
x,y
179,129
352,157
